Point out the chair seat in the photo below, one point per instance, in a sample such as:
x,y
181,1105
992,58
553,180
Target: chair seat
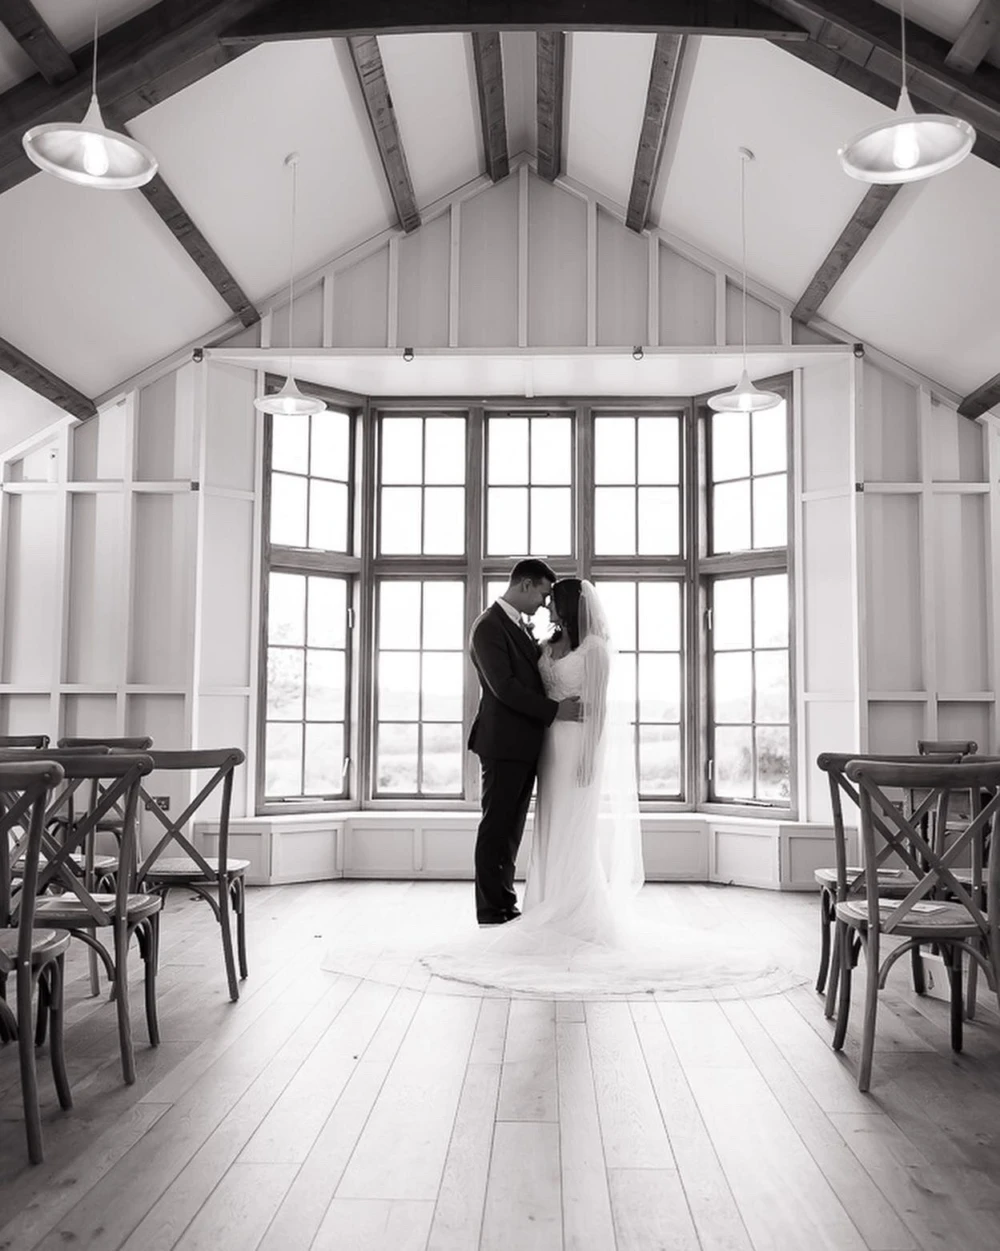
x,y
889,882
102,864
46,944
183,867
69,911
948,919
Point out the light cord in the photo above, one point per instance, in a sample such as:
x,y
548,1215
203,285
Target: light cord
x,y
743,233
93,85
902,28
291,267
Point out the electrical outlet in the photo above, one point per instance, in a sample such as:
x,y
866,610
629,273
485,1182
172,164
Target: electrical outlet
x,y
158,801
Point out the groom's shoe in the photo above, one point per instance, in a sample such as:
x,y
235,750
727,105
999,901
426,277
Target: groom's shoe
x,y
513,914
498,918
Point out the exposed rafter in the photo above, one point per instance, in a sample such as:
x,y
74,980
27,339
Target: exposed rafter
x,y
319,19
21,366
550,70
371,75
858,42
32,32
982,399
488,61
656,117
866,217
977,35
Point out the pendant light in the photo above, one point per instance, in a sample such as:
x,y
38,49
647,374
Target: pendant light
x,y
86,152
744,397
289,401
909,146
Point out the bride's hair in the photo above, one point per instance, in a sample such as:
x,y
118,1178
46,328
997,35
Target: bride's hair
x,y
566,600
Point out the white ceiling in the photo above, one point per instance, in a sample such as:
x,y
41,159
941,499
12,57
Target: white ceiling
x,y
96,288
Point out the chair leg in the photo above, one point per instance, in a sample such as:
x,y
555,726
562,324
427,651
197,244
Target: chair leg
x,y
29,1077
917,967
93,972
57,1055
149,945
42,1017
846,939
971,989
122,1001
227,940
240,907
830,1007
952,954
871,1011
824,939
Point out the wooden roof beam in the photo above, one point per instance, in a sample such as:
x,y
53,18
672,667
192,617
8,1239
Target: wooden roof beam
x,y
34,35
976,38
550,80
656,118
488,60
982,399
371,75
26,370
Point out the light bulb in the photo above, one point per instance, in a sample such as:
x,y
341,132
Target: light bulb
x,y
905,147
95,156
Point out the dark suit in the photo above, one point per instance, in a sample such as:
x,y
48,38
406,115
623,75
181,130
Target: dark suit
x,y
507,736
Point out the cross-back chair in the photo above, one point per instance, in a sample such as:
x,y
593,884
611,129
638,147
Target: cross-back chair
x,y
946,747
938,907
34,956
35,741
219,879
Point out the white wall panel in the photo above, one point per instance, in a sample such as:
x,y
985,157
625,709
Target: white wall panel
x,y
308,319
687,300
894,728
88,716
958,446
830,725
162,589
828,642
230,428
958,529
32,596
487,291
26,714
890,427
96,577
557,266
763,320
361,303
894,625
98,447
967,721
164,430
622,283
826,426
227,576
424,266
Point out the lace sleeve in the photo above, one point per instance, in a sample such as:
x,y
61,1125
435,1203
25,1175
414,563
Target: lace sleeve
x,y
594,700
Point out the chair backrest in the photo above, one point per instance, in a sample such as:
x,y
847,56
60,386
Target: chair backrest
x,y
136,742
224,761
946,747
24,740
24,793
933,865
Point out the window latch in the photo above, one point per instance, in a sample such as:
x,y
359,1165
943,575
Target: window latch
x,y
344,767
350,618
709,768
708,618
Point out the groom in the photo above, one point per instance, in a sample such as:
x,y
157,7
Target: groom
x,y
508,730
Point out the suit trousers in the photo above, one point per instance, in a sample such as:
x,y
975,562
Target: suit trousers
x,y
507,787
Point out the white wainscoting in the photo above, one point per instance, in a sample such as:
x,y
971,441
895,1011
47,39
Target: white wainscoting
x,y
681,847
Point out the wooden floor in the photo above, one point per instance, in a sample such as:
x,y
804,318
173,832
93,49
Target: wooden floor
x,y
330,1112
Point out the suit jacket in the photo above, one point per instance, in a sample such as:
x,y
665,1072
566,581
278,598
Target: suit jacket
x,y
514,709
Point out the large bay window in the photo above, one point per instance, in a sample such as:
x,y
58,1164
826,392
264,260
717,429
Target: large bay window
x,y
409,517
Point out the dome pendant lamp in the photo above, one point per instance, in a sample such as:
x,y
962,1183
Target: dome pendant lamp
x,y
86,152
744,397
289,401
909,146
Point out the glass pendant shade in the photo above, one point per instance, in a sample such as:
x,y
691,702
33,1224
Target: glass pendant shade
x,y
89,154
289,402
908,147
744,398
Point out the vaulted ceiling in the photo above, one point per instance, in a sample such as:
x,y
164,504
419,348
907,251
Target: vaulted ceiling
x,y
95,287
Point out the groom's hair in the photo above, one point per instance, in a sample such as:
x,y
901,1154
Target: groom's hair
x,y
536,570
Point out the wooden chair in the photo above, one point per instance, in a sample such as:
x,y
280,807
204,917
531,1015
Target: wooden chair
x,y
937,908
203,874
126,912
34,956
946,747
35,741
838,883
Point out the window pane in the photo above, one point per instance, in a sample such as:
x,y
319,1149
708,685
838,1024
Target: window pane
x,y
399,686
660,686
399,615
550,521
324,765
733,763
622,685
328,515
445,450
444,615
614,521
285,683
659,616
552,450
443,752
773,763
442,686
771,682
770,617
290,443
731,620
283,760
659,760
401,521
659,449
288,511
659,521
397,759
731,517
507,521
614,450
733,686
324,686
730,446
508,450
286,603
331,446
770,511
402,450
327,612
770,451
618,599
444,521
